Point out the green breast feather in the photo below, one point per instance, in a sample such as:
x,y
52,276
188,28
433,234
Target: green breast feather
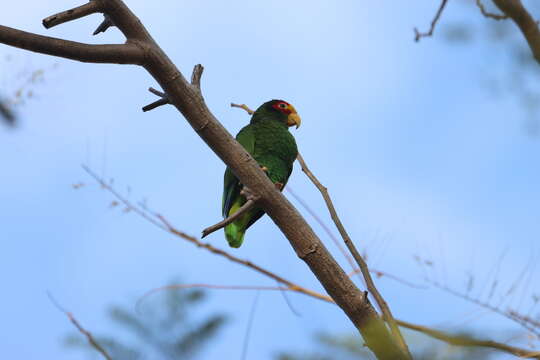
x,y
269,141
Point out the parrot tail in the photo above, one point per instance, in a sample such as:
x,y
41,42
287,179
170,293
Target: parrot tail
x,y
234,235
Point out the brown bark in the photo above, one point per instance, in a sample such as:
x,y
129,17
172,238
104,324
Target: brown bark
x,y
141,49
515,10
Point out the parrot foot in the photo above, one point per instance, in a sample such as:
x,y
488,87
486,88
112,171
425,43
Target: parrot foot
x,y
264,168
248,194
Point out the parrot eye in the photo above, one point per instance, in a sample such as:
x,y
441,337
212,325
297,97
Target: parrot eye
x,y
282,105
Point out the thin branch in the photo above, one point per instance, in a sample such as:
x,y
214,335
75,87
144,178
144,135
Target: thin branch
x,y
522,321
418,35
347,255
82,330
104,25
387,313
524,20
163,224
128,53
164,100
380,273
488,14
90,7
243,106
459,340
248,205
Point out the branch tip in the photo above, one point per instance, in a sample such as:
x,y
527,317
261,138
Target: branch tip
x,y
244,107
418,35
72,14
196,76
164,100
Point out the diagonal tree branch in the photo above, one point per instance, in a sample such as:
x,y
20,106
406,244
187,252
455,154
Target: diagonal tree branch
x,y
387,313
515,10
186,97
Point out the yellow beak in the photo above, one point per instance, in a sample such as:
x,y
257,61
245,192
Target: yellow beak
x,y
294,119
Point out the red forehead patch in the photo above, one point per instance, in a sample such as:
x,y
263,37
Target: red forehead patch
x,y
282,106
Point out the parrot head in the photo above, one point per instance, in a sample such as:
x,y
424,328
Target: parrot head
x,y
281,110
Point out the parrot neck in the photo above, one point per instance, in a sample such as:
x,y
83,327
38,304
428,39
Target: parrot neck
x,y
262,117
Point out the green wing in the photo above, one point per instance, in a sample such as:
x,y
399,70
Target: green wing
x,y
231,185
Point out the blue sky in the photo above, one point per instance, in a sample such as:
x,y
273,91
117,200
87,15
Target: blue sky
x,y
419,158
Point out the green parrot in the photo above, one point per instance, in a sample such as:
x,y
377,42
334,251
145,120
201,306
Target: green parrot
x,y
268,140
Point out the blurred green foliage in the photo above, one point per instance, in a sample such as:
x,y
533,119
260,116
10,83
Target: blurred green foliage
x,y
166,328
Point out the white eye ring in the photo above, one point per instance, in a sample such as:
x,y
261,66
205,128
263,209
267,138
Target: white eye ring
x,y
282,105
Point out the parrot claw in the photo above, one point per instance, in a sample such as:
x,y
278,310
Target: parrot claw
x,y
279,186
248,194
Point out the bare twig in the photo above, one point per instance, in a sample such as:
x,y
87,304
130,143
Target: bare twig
x,y
347,255
418,35
515,10
90,7
460,340
512,315
248,205
82,330
380,273
164,100
159,221
387,313
104,25
488,14
336,242
243,106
